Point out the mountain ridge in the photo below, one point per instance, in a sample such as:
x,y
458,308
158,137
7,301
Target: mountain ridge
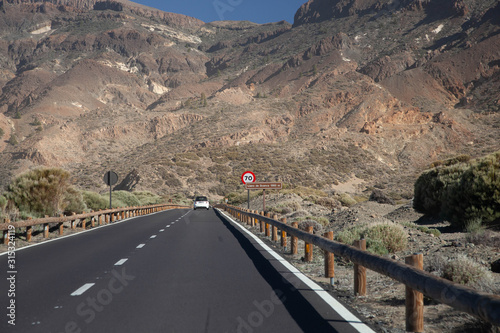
x,y
376,91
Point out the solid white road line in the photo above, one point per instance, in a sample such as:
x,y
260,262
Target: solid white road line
x,y
120,262
338,307
140,246
82,289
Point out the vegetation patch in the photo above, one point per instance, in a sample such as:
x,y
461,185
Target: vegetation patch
x,y
461,191
380,238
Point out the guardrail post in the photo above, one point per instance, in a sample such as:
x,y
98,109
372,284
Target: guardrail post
x,y
61,228
283,235
29,231
329,261
268,231
99,219
275,230
73,222
262,223
45,230
295,240
414,299
360,271
308,248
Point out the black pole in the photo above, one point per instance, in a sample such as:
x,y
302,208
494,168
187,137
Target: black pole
x,y
248,199
110,200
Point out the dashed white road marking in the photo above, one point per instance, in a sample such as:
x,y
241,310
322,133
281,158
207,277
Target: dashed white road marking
x,y
154,236
82,289
140,246
121,262
162,230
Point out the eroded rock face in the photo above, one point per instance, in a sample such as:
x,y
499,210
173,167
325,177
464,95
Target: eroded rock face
x,y
377,91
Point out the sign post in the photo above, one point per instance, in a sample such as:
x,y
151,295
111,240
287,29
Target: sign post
x,y
110,178
264,186
246,178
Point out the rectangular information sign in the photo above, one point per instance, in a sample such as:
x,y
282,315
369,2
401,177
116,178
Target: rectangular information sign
x,y
264,186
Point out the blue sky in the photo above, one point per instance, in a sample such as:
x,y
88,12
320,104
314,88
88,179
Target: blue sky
x,y
258,11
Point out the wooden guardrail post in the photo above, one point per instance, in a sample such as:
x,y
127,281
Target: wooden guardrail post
x,y
283,235
275,230
268,230
73,222
295,240
45,230
414,299
308,248
29,231
360,271
61,228
329,261
262,223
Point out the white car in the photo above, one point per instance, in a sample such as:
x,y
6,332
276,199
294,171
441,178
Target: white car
x,y
201,202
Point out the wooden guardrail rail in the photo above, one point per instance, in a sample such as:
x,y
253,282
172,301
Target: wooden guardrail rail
x,y
417,281
100,217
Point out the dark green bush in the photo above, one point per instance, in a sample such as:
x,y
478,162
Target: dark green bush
x,y
461,192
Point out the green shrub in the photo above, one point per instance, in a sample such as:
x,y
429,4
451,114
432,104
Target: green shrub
x,y
147,198
392,236
95,201
467,272
348,236
3,205
40,191
461,192
380,239
73,201
124,199
347,200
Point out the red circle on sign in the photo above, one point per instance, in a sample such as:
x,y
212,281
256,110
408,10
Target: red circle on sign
x,y
247,177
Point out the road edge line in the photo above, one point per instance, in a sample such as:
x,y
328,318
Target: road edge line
x,y
336,306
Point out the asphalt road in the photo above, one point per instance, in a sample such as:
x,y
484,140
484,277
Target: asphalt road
x,y
174,271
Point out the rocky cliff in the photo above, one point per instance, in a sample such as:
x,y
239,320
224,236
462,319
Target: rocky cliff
x,y
367,88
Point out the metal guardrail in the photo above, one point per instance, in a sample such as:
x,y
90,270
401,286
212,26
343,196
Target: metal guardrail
x,y
481,305
100,217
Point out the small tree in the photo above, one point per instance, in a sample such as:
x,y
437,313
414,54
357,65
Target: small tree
x,y
41,191
13,140
315,69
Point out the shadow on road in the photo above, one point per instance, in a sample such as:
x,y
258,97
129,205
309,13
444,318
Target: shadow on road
x,y
304,314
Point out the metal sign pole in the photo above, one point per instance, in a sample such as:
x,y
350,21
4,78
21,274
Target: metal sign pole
x,y
110,199
248,199
264,199
110,178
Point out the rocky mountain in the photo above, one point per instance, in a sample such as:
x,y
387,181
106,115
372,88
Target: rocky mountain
x,y
372,89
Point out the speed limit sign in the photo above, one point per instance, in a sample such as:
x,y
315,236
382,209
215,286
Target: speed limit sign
x,y
247,177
